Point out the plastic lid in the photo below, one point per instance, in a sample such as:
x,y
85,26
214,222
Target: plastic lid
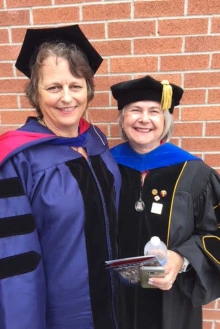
x,y
155,241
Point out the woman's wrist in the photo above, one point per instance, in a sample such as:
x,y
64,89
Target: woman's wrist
x,y
185,265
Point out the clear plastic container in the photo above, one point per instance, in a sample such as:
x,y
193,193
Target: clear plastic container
x,y
157,248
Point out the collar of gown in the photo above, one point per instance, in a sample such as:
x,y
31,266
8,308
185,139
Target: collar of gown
x,y
164,155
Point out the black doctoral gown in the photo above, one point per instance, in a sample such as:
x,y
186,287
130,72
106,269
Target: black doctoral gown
x,y
188,224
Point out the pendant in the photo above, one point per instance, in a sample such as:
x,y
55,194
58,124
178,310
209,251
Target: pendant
x,y
139,205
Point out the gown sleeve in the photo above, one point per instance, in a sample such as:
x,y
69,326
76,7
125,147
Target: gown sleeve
x,y
22,282
202,281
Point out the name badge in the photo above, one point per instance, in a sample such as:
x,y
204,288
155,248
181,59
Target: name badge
x,y
156,208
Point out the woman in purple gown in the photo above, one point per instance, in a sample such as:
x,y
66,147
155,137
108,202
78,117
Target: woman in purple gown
x,y
58,195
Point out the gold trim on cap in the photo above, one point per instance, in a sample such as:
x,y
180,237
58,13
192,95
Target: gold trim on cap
x,y
167,94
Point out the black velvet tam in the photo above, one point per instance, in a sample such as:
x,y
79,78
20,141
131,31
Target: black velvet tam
x,y
68,34
146,88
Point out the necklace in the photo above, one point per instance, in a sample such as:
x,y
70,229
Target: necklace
x,y
139,204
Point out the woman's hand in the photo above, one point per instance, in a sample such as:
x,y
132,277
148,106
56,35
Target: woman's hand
x,y
172,267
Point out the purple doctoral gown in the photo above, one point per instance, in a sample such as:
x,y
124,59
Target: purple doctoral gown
x,y
58,215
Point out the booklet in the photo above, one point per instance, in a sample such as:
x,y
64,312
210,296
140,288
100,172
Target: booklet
x,y
128,268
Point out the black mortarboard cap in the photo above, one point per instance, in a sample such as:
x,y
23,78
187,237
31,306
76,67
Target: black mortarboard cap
x,y
69,34
147,88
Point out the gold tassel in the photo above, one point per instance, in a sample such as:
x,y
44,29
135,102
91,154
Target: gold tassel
x,y
167,94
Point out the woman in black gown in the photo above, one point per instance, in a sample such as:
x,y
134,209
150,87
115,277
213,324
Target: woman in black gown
x,y
169,193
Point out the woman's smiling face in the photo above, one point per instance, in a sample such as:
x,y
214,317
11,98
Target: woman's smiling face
x,y
143,124
62,97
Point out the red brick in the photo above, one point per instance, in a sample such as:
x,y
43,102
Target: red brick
x,y
131,29
9,52
215,61
20,17
103,115
15,117
176,114
3,36
107,48
12,86
4,129
199,155
115,130
187,129
55,15
214,96
133,64
8,101
217,325
93,31
158,8
113,102
100,100
106,11
103,68
103,127
205,79
207,325
1,3
212,160
215,24
203,145
218,303
66,2
18,34
193,96
183,26
206,7
213,128
202,43
172,78
211,314
25,102
184,62
206,113
6,70
114,142
175,141
104,83
210,305
18,73
157,45
27,3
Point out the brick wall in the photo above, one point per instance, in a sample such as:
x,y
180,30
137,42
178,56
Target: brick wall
x,y
178,40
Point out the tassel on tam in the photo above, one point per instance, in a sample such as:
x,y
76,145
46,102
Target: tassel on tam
x,y
167,94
